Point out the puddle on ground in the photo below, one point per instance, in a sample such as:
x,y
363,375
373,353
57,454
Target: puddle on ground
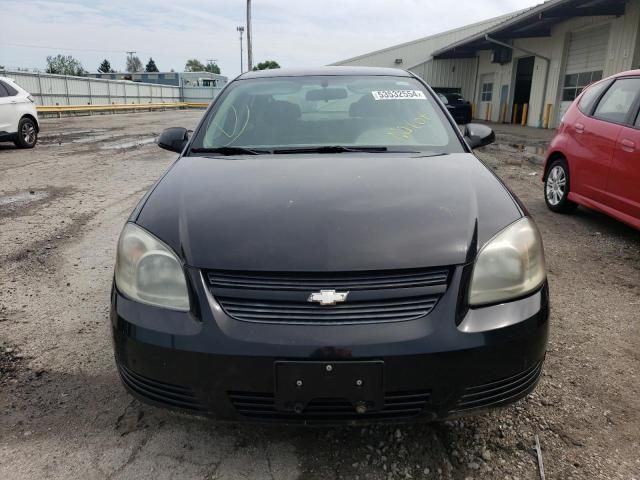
x,y
535,149
104,137
540,150
132,144
23,198
74,136
91,131
93,138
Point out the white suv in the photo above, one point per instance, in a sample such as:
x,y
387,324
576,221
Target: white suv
x,y
18,115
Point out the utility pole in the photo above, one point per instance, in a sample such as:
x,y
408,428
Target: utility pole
x,y
241,30
249,50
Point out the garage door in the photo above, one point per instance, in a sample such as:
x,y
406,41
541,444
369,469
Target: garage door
x,y
585,62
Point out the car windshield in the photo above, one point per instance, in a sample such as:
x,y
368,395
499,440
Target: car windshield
x,y
326,113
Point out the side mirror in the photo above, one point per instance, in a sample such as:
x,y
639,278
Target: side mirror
x,y
173,139
478,135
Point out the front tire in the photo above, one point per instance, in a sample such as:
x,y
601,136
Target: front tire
x,y
556,188
27,135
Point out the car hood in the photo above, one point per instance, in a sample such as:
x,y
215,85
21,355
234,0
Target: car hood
x,y
330,212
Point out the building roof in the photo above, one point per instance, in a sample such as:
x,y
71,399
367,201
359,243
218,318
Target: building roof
x,y
536,21
489,22
330,71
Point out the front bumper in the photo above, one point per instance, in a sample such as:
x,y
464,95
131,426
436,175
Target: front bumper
x,y
206,362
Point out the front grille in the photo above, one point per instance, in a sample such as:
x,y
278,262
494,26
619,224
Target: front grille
x,y
375,297
396,405
164,393
499,392
356,312
339,281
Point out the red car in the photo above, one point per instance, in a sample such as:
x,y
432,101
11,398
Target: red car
x,y
594,159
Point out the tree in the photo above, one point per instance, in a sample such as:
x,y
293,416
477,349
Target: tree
x,y
65,65
105,67
134,64
212,67
194,65
151,66
267,65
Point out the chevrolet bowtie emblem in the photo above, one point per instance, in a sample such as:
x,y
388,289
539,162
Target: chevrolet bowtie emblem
x,y
328,297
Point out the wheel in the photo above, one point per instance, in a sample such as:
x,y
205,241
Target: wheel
x,y
556,188
27,135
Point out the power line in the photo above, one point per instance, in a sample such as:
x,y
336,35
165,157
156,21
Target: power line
x,y
48,47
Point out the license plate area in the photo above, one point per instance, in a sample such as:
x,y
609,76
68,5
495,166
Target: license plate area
x,y
298,383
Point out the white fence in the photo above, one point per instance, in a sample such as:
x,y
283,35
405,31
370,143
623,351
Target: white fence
x,y
48,89
199,94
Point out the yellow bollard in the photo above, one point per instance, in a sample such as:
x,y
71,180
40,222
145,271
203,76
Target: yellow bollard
x,y
503,113
525,110
473,110
514,118
547,115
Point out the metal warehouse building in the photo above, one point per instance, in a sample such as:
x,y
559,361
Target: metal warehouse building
x,y
529,66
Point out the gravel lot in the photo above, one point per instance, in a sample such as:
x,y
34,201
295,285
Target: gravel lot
x,y
64,414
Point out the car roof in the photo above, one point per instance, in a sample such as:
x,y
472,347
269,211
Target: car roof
x,y
628,73
9,80
329,71
13,83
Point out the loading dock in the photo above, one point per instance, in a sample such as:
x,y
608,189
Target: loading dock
x,y
522,86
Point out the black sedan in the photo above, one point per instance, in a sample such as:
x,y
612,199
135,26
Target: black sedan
x,y
458,106
327,248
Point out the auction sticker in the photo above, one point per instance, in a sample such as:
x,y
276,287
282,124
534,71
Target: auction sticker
x,y
398,95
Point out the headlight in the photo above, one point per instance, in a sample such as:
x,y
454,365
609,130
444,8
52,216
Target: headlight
x,y
510,265
148,271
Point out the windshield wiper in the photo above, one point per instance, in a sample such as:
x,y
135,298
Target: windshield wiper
x,y
330,149
231,150
441,154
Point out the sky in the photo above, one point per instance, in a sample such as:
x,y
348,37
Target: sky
x,y
298,33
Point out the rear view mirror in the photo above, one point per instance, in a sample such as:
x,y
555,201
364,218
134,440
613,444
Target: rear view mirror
x,y
478,135
326,94
173,139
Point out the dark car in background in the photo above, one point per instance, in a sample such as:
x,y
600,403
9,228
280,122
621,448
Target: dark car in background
x,y
457,105
327,248
594,159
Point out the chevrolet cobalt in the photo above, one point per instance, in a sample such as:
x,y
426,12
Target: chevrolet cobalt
x,y
327,248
